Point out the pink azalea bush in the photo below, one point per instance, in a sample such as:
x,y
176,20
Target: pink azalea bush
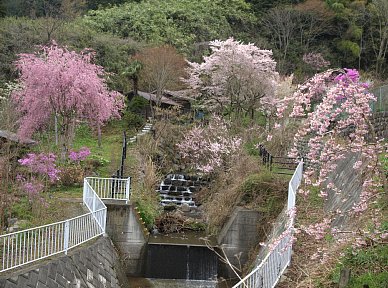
x,y
41,169
81,155
42,164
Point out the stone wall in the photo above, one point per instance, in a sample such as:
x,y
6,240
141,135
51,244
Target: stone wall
x,y
95,266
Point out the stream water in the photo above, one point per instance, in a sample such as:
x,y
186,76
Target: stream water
x,y
178,260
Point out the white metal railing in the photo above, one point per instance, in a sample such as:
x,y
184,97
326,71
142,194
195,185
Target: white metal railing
x,y
293,186
269,271
111,188
26,246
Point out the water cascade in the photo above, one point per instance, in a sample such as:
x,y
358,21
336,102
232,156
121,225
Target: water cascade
x,y
179,189
181,262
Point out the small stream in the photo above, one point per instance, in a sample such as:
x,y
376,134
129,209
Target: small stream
x,y
178,260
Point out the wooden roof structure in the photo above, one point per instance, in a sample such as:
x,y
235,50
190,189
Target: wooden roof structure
x,y
13,137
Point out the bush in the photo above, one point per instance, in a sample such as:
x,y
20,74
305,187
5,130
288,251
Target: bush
x,y
71,175
259,187
137,104
96,161
133,120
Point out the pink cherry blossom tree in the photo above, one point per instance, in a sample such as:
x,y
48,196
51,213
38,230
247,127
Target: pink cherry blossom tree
x,y
209,148
335,112
316,61
66,86
237,76
337,106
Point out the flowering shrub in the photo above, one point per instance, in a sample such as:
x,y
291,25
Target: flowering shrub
x,y
32,188
334,108
73,172
81,155
41,164
316,60
209,148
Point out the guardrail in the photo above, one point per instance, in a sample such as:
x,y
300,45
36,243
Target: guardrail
x,y
278,164
110,188
26,246
269,271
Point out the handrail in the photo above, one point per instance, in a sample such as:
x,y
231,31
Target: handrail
x,y
271,268
33,244
111,188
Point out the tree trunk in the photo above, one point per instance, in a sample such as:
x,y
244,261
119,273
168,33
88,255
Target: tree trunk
x,y
99,135
56,129
135,82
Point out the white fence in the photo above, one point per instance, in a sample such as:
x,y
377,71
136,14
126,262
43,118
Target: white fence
x,y
268,273
23,247
110,188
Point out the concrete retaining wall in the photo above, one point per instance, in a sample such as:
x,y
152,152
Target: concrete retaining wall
x,y
239,236
379,122
95,266
126,232
350,182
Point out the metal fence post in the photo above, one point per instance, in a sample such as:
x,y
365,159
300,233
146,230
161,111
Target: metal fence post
x,y
84,191
94,204
127,189
125,145
104,220
267,160
66,235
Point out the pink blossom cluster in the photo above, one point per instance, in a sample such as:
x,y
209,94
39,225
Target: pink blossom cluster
x,y
42,164
211,147
316,60
332,103
318,230
287,236
81,155
351,75
65,83
235,74
32,188
334,108
321,254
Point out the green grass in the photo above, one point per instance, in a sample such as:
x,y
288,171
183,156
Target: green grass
x,y
368,267
110,151
108,156
21,209
67,191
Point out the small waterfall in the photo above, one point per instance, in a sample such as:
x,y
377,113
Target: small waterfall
x,y
181,262
179,189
